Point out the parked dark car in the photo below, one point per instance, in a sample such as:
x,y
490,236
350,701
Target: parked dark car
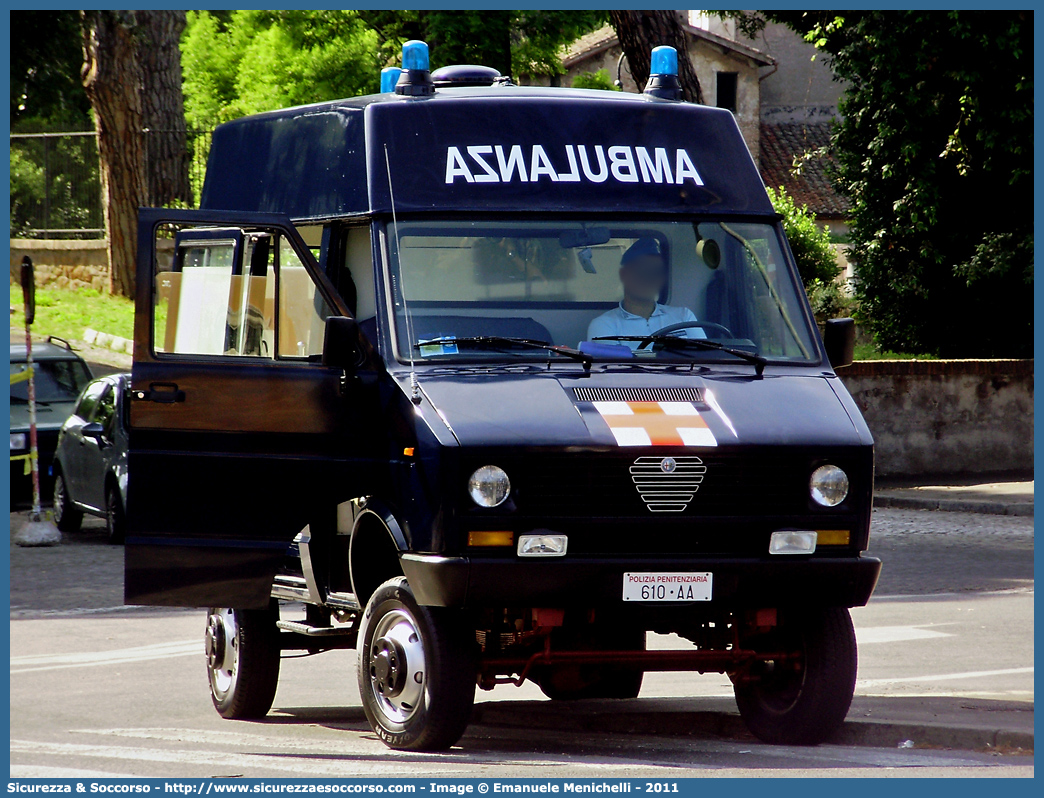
x,y
60,376
90,465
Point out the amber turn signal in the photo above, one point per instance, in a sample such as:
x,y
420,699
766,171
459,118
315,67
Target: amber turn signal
x,y
833,537
491,538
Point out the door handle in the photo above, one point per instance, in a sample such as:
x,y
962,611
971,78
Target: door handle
x,y
164,393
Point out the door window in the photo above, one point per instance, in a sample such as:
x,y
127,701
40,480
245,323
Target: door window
x,y
302,309
216,293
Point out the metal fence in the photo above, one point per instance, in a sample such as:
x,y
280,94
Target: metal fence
x,y
56,183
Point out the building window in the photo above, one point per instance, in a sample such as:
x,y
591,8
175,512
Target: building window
x,y
726,89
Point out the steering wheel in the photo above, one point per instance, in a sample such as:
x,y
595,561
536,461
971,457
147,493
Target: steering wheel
x,y
685,325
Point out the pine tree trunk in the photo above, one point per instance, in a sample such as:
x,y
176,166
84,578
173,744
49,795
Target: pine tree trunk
x,y
112,78
163,109
640,31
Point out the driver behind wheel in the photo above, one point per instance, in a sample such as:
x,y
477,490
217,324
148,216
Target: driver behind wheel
x,y
643,273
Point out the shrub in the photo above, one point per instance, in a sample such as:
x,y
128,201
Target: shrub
x,y
594,80
810,243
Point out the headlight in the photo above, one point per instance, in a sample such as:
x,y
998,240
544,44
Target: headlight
x,y
17,441
828,485
489,486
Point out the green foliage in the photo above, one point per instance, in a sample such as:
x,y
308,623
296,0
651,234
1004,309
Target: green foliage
x,y
243,62
829,300
935,149
62,196
46,54
595,80
514,42
810,243
537,38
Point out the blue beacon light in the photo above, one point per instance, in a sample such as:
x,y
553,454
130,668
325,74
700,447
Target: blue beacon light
x,y
663,74
389,77
664,61
415,80
415,55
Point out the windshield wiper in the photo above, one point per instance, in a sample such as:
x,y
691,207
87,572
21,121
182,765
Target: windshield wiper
x,y
495,341
699,343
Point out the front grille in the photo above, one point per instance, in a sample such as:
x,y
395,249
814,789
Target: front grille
x,y
614,485
667,484
636,394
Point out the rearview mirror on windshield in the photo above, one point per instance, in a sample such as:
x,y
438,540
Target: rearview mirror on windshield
x,y
585,237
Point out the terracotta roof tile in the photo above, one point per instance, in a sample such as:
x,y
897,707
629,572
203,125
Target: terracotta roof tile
x,y
811,185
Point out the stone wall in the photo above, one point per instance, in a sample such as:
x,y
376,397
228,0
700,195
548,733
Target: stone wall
x,y
946,416
63,264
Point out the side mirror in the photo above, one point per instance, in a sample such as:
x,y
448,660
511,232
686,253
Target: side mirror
x,y
93,430
341,344
839,340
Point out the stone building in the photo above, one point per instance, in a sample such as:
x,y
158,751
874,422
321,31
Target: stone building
x,y
728,71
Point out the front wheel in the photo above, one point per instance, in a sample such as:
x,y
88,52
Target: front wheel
x,y
115,518
66,517
417,670
242,649
802,701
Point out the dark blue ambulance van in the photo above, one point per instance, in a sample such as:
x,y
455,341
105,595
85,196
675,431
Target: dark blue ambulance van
x,y
488,382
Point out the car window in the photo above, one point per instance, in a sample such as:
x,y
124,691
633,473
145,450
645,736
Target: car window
x,y
105,409
54,380
89,400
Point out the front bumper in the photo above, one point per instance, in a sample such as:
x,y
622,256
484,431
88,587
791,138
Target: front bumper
x,y
598,582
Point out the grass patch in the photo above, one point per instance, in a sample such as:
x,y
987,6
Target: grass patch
x,y
67,313
871,352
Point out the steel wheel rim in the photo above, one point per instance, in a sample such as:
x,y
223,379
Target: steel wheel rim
x,y
397,666
222,632
58,498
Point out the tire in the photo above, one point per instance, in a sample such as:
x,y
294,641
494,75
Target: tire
x,y
66,516
242,649
417,670
575,682
803,705
115,517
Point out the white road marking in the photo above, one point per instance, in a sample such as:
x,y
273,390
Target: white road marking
x,y
941,677
895,634
50,662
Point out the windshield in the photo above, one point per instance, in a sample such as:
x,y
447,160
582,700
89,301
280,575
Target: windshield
x,y
54,380
599,286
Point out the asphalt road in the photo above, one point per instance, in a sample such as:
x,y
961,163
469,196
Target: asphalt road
x,y
98,689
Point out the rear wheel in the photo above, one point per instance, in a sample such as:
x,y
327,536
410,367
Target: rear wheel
x,y
417,670
573,682
66,517
242,649
115,518
802,702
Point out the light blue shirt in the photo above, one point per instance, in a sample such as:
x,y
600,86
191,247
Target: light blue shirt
x,y
620,322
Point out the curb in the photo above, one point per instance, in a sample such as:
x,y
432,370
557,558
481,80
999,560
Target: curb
x,y
106,341
729,725
1022,509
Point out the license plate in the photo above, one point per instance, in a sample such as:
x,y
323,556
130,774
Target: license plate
x,y
667,586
